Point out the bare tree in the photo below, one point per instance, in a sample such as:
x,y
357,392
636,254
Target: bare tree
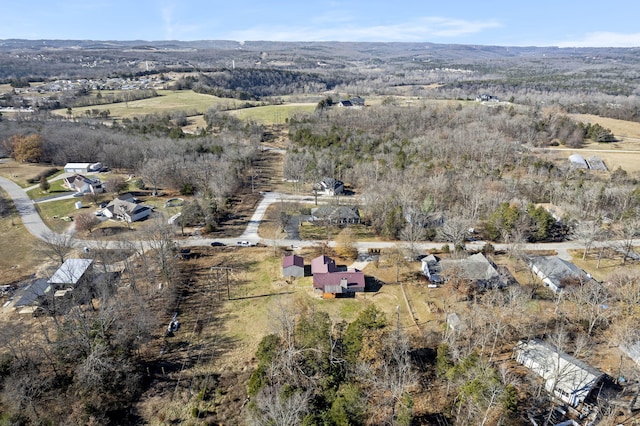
x,y
55,246
274,407
587,232
594,304
629,229
454,230
86,222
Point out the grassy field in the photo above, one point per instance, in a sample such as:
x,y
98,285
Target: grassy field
x,y
55,188
273,114
20,172
168,101
16,251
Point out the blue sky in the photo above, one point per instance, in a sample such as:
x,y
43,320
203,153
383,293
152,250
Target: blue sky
x,y
613,23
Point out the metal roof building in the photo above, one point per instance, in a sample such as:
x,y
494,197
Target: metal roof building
x,y
566,377
71,272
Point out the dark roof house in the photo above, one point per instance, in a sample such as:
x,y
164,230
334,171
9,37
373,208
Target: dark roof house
x,y
339,215
331,186
475,268
330,279
341,282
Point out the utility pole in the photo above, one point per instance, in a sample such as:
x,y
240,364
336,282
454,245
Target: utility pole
x,y
223,270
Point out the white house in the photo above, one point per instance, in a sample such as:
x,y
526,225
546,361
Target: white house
x,y
125,208
431,269
331,186
566,377
83,184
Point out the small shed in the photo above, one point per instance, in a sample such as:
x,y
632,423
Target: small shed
x,y
293,266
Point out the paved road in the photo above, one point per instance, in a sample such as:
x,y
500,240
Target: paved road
x,y
34,224
26,208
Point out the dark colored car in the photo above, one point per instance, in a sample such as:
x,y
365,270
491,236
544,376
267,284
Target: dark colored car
x,y
217,244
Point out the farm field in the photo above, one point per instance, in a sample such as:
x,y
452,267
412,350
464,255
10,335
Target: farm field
x,y
168,101
273,114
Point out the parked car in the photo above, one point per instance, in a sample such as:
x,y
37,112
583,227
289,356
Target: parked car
x,y
217,244
244,244
78,194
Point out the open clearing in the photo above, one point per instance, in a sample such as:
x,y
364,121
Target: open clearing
x,y
621,129
624,154
168,101
273,114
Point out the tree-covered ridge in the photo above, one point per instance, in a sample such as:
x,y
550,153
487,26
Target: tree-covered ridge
x,y
256,83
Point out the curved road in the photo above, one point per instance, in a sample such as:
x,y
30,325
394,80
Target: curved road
x,y
34,224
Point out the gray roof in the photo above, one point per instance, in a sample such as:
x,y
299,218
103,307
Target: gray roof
x,y
71,271
570,378
475,268
632,351
334,213
36,288
557,269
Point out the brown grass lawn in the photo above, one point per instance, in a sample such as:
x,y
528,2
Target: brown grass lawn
x,y
16,251
611,263
20,172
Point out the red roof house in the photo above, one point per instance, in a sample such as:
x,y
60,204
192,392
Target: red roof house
x,y
323,265
293,266
341,282
330,279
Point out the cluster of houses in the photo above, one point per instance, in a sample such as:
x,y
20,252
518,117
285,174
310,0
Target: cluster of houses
x,y
124,207
114,83
554,272
329,279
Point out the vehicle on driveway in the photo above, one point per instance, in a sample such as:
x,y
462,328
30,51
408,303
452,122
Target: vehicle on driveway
x,y
217,244
244,244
